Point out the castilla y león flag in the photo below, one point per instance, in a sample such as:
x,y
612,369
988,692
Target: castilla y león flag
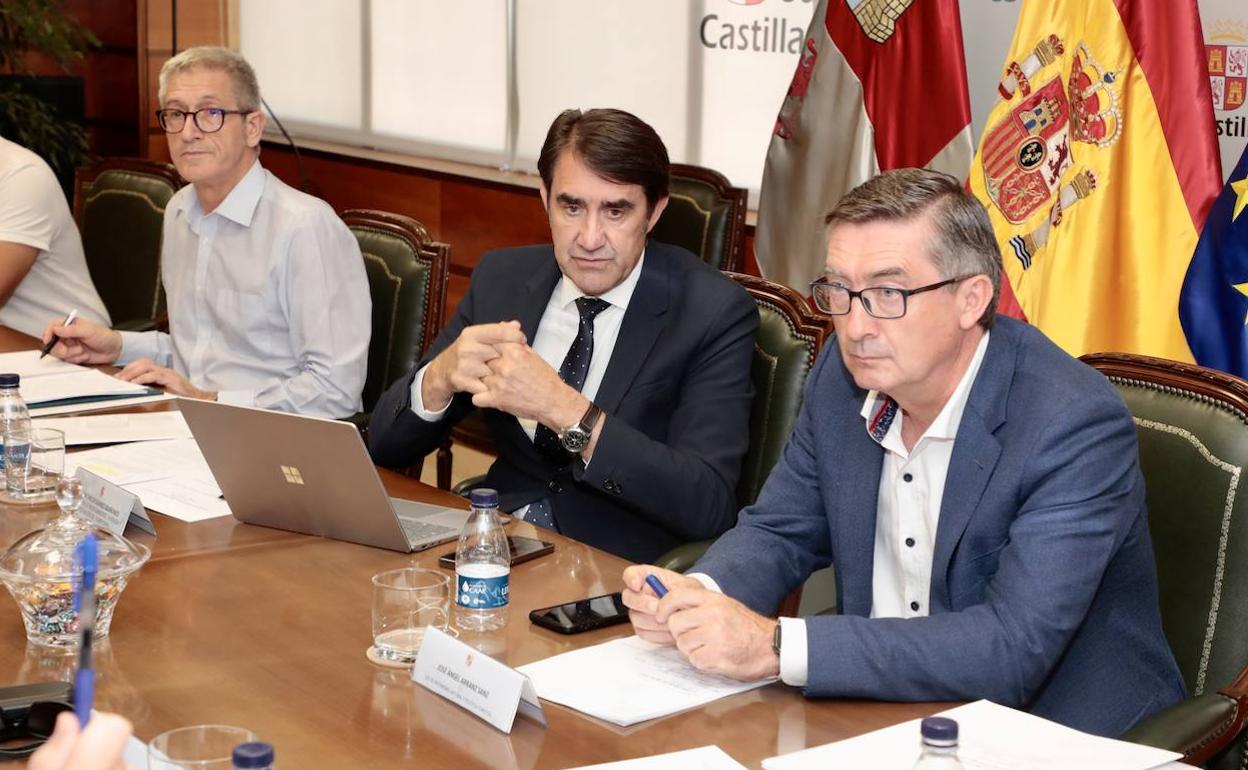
x,y
1098,166
881,84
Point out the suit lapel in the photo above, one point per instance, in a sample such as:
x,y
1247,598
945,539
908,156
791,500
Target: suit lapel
x,y
975,454
536,296
643,321
854,541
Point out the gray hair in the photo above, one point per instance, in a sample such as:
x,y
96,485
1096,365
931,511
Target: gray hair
x,y
964,243
246,87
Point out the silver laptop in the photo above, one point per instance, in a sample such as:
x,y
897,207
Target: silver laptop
x,y
310,475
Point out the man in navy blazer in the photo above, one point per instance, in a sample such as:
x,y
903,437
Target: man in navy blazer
x,y
976,489
614,372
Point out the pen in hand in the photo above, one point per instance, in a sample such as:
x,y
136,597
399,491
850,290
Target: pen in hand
x,y
51,343
87,556
657,585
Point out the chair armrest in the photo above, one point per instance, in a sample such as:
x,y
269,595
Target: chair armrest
x,y
136,325
682,557
465,487
1200,727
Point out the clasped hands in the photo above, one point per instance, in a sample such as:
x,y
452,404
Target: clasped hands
x,y
714,632
494,363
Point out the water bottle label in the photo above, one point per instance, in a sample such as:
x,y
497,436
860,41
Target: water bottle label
x,y
482,593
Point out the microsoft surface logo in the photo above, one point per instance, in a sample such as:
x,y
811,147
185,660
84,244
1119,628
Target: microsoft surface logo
x,y
292,474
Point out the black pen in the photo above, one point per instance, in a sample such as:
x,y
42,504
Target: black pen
x,y
47,346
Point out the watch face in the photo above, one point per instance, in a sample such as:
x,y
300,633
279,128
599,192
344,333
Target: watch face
x,y
574,439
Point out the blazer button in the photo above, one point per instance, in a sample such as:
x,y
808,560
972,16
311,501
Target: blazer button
x,y
555,487
914,606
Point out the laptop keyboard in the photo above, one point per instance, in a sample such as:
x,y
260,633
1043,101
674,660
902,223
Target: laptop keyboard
x,y
419,531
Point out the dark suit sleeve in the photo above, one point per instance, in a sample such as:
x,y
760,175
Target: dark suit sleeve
x,y
687,482
397,437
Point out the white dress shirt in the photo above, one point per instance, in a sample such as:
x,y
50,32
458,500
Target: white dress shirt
x,y
912,484
555,333
33,212
268,300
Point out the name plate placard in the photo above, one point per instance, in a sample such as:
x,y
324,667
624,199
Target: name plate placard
x,y
469,678
111,507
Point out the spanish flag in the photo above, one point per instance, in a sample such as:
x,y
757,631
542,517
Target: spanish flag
x,y
1098,165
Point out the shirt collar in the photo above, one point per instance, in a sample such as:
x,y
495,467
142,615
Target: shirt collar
x,y
880,411
239,206
617,297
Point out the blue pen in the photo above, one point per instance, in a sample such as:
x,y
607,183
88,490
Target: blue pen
x,y
656,584
87,563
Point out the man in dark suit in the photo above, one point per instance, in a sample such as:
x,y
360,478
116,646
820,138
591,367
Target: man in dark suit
x,y
976,489
614,372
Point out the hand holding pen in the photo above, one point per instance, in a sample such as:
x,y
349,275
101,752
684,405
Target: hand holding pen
x,y
51,343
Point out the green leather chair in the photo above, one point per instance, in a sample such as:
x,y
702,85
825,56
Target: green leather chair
x,y
1193,433
119,204
407,274
790,336
706,215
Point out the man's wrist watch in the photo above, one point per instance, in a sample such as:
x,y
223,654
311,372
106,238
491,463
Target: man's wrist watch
x,y
775,639
576,438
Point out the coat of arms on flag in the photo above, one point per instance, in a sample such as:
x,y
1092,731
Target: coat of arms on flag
x,y
1028,154
1228,67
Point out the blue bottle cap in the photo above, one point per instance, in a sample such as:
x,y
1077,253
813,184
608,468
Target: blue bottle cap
x,y
253,755
940,729
9,380
484,498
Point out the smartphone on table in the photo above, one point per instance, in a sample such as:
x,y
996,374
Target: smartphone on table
x,y
582,615
522,549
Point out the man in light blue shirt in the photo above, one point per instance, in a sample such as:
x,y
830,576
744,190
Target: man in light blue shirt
x,y
267,294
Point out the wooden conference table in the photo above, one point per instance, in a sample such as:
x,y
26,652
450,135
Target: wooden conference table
x,y
236,624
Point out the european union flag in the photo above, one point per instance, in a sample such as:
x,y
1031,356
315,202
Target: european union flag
x,y
1213,305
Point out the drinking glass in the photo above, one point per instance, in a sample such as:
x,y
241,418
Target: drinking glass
x,y
34,459
202,747
406,602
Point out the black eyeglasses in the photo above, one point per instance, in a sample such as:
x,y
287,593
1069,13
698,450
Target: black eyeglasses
x,y
32,725
209,119
884,302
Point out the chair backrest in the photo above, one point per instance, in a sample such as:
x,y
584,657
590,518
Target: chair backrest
x,y
407,272
706,215
1192,424
790,336
119,204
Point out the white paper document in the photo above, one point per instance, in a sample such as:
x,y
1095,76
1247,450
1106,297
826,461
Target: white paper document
x,y
118,428
704,758
168,476
626,681
990,737
98,406
84,384
27,363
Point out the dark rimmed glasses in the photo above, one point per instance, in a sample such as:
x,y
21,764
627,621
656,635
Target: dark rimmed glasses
x,y
209,119
884,302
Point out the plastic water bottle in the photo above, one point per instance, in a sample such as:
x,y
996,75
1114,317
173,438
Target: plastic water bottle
x,y
13,412
253,756
940,745
482,567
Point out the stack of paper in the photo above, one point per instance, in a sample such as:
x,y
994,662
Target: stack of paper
x,y
626,681
51,382
168,476
990,737
118,428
